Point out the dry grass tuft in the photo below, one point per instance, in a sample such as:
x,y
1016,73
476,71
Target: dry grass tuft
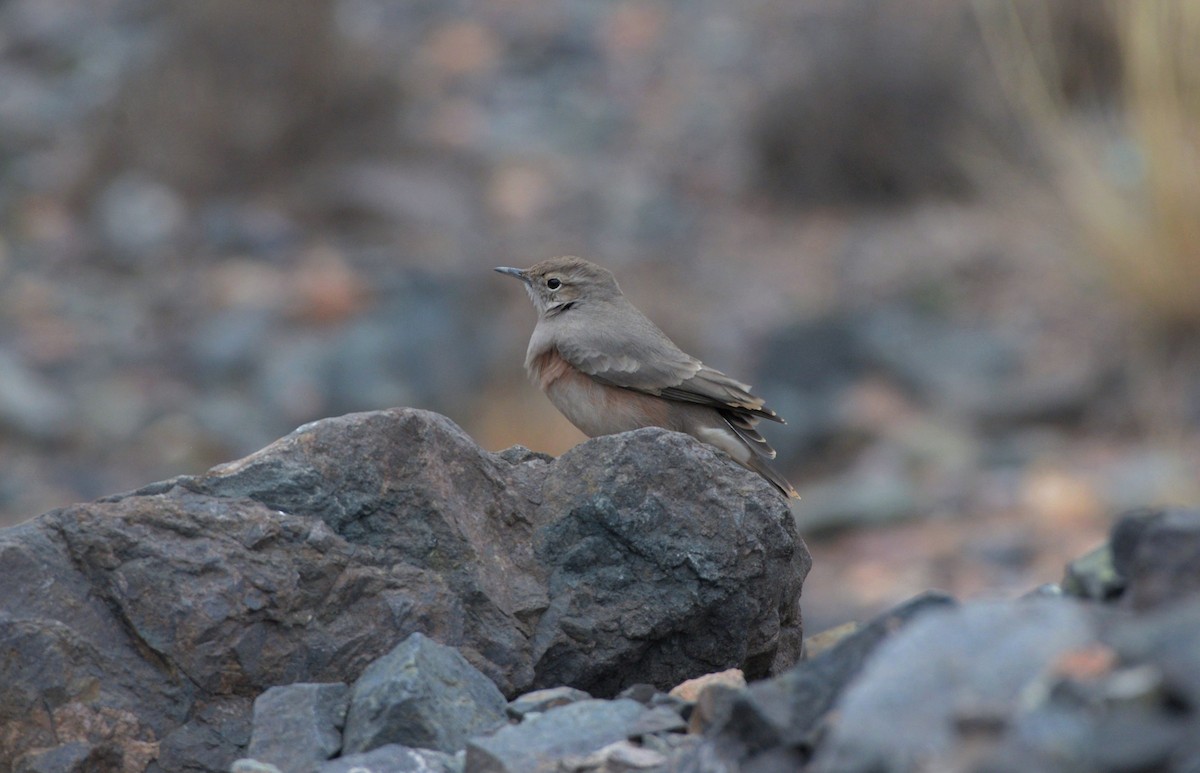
x,y
1127,164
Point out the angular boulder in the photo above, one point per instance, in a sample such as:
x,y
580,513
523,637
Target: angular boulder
x,y
423,695
542,743
299,726
782,717
950,673
141,626
1156,552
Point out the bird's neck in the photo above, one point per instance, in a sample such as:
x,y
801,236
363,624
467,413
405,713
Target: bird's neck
x,y
555,309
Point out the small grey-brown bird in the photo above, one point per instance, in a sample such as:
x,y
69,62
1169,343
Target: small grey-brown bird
x,y
609,369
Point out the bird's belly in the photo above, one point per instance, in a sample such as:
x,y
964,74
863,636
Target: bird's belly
x,y
597,409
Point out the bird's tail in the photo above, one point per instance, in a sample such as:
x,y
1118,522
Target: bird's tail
x,y
775,479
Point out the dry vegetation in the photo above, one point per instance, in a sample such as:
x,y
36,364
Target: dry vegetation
x,y
1125,162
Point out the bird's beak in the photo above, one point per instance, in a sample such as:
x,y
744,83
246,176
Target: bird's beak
x,y
518,273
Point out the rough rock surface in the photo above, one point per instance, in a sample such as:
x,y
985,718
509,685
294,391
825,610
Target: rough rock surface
x,y
1157,553
394,758
424,695
539,743
1044,684
951,667
543,700
781,717
142,626
299,726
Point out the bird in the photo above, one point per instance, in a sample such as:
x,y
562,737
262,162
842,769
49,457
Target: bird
x,y
609,369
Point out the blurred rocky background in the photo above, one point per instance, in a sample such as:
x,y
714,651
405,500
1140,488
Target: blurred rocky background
x,y
956,245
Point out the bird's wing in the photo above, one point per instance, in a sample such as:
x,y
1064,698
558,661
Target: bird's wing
x,y
643,363
645,360
743,427
714,388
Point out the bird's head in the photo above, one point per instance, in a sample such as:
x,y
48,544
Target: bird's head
x,y
560,284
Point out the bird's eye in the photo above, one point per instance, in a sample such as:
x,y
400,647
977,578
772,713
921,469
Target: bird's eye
x,y
553,283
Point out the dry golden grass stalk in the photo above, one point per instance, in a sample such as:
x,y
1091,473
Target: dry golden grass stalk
x,y
1129,174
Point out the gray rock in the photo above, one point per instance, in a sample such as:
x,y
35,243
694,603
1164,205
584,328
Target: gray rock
x,y
30,405
644,557
1148,702
647,695
973,369
69,666
642,693
1049,685
233,225
868,495
367,364
807,367
787,711
395,758
619,757
1127,703
602,552
539,743
978,370
247,765
137,215
712,708
421,694
544,700
657,720
356,365
1158,554
948,672
638,576
74,757
212,738
1166,639
1126,536
1093,576
665,700
299,726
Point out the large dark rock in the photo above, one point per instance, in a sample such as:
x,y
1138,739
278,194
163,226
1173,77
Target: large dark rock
x,y
421,694
692,576
72,672
148,622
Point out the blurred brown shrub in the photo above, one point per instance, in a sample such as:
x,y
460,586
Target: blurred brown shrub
x,y
884,102
237,91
